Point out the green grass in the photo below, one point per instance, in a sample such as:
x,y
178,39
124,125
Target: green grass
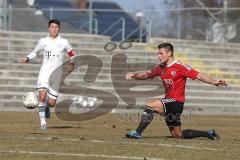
x,y
104,138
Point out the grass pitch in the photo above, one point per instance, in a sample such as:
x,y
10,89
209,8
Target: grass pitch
x,y
104,138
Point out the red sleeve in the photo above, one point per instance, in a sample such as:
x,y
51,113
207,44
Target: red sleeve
x,y
187,71
192,74
154,72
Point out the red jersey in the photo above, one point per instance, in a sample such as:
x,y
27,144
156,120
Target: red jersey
x,y
174,78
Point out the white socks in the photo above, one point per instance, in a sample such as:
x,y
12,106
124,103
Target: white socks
x,y
42,118
41,112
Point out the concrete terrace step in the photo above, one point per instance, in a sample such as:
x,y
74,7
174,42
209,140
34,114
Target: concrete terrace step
x,y
195,50
17,92
210,48
207,50
19,95
105,73
211,109
17,88
224,64
25,48
96,43
130,53
208,93
28,45
101,84
139,56
38,35
102,77
204,52
194,87
209,105
106,70
213,100
156,40
190,108
73,75
203,99
107,66
194,109
23,51
35,65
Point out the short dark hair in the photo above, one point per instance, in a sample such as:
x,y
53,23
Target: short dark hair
x,y
167,46
54,21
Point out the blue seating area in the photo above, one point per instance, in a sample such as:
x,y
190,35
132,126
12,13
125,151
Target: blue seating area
x,y
107,18
55,3
45,5
80,19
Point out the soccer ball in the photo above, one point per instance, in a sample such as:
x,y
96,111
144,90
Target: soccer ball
x,y
30,100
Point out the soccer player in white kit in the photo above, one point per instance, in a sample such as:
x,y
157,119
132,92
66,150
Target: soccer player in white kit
x,y
53,48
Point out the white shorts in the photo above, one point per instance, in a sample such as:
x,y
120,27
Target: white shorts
x,y
50,82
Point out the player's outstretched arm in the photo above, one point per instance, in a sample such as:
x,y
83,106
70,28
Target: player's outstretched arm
x,y
34,53
207,79
24,60
138,76
72,56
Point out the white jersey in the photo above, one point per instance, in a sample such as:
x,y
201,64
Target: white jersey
x,y
53,56
53,52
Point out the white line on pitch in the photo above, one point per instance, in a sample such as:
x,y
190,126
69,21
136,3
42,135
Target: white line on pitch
x,y
113,142
79,155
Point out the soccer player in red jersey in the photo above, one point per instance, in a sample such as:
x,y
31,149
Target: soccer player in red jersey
x,y
174,75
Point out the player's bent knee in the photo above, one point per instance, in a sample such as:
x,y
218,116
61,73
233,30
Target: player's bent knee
x,y
156,105
151,103
42,98
51,103
177,136
151,106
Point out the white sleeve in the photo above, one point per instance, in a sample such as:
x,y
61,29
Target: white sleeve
x,y
36,50
70,52
68,47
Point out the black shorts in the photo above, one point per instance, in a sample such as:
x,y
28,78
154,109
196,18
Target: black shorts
x,y
172,111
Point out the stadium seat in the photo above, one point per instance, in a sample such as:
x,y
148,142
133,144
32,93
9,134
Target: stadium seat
x,y
107,18
80,19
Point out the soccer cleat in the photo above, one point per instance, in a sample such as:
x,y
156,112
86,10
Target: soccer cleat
x,y
43,127
213,135
133,134
47,112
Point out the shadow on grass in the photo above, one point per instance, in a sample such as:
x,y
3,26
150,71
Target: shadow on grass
x,y
63,127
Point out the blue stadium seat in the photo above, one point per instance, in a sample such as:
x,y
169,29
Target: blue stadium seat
x,y
64,15
107,18
80,19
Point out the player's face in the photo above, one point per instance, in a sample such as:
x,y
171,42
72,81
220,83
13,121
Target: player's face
x,y
53,30
164,55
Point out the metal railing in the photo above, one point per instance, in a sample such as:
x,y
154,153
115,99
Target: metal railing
x,y
180,23
3,14
94,26
122,20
